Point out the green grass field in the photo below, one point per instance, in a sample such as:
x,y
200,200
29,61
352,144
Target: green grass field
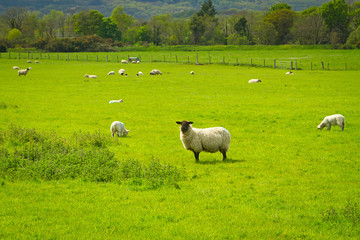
x,y
284,178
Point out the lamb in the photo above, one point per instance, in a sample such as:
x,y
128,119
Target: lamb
x,y
118,128
111,73
122,71
208,139
124,61
254,81
336,119
90,76
155,72
23,71
16,67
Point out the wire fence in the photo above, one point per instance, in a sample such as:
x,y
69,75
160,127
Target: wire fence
x,y
202,58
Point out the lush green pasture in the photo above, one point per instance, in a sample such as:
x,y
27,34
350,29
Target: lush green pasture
x,y
284,178
305,58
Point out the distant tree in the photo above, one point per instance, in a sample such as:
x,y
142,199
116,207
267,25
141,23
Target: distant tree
x,y
31,25
54,23
160,26
355,14
14,17
265,34
179,33
241,27
122,20
197,27
109,29
279,6
14,35
336,17
207,8
87,22
282,20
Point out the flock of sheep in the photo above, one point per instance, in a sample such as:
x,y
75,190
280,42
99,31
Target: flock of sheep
x,y
194,139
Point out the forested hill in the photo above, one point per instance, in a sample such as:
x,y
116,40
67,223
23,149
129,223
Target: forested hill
x,y
147,8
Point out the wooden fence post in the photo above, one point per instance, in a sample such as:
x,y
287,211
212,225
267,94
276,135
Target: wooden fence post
x,y
223,60
237,61
197,58
322,65
176,58
274,63
188,59
67,57
250,62
264,62
345,67
107,58
164,58
209,59
291,65
19,56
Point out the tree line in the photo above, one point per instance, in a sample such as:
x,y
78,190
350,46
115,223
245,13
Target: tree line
x,y
335,22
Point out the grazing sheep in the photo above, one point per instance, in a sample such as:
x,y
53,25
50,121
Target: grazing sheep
x,y
207,139
90,76
37,62
116,101
124,61
139,74
137,62
336,119
289,73
23,71
254,81
122,71
16,67
155,72
28,61
111,73
118,128
192,72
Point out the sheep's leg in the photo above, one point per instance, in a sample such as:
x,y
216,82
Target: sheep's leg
x,y
196,156
224,155
328,127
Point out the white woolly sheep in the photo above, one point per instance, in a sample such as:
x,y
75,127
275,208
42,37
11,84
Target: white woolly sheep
x,y
118,128
37,62
23,71
139,74
207,139
116,101
90,76
336,119
155,72
254,81
192,72
16,67
111,73
289,73
122,71
124,61
28,61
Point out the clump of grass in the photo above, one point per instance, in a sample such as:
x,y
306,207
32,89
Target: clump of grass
x,y
350,213
4,105
26,154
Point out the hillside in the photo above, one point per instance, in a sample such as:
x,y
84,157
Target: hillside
x,y
147,8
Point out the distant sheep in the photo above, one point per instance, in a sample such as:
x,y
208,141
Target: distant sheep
x,y
28,61
37,62
16,67
155,72
254,81
336,119
122,71
192,72
118,128
207,139
90,76
139,74
111,73
23,71
116,101
289,73
124,61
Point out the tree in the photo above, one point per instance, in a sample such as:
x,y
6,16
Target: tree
x,y
279,6
160,26
122,20
265,34
336,17
241,27
282,20
197,27
87,22
108,29
14,17
14,35
207,8
54,23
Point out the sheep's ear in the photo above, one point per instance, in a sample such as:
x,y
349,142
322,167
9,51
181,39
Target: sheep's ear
x,y
190,122
179,122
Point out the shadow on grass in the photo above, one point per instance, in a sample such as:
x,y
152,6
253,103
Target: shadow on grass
x,y
213,162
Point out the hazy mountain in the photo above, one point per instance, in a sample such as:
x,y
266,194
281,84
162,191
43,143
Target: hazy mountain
x,y
147,8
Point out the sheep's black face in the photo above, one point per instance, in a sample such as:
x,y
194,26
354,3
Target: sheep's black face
x,y
184,125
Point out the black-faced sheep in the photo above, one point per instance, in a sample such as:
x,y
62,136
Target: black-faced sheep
x,y
122,71
155,72
254,81
90,76
23,71
111,73
207,139
336,119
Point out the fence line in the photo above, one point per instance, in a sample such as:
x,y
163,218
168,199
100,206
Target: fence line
x,y
292,64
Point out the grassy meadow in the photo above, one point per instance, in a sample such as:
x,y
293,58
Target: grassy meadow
x,y
64,177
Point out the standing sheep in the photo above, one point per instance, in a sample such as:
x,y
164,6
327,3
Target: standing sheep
x,y
122,71
111,73
124,61
207,139
118,128
23,71
336,119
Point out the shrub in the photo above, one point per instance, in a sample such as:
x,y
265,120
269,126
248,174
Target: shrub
x,y
357,45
